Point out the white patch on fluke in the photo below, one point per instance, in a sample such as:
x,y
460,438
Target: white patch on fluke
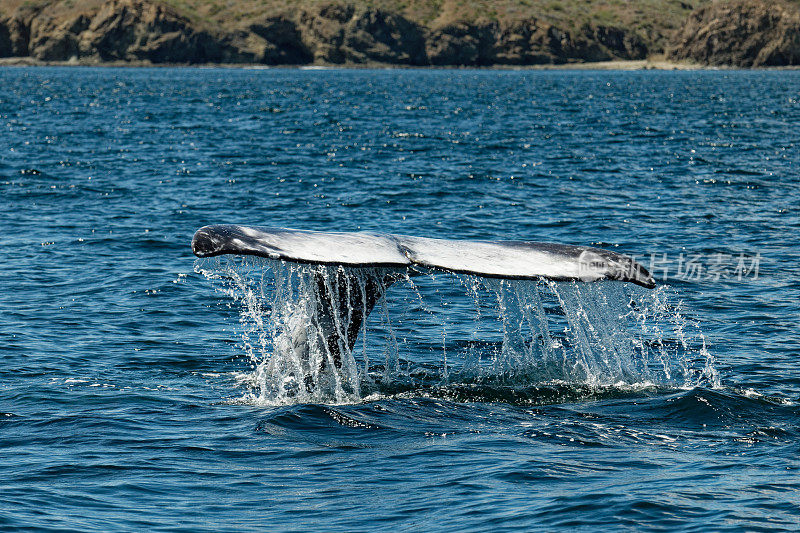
x,y
501,259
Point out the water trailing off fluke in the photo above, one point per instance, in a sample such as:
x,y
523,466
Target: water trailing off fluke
x,y
346,294
518,314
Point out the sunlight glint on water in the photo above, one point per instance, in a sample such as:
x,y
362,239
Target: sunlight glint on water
x,y
125,405
519,333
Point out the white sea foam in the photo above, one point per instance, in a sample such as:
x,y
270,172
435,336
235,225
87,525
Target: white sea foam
x,y
442,329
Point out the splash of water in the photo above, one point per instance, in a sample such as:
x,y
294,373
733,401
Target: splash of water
x,y
438,330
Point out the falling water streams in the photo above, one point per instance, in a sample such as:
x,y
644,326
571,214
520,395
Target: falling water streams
x,y
515,333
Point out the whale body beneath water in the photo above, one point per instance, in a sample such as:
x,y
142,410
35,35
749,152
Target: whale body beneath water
x,y
344,302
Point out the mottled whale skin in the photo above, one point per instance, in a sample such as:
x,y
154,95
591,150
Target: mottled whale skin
x,y
340,297
497,259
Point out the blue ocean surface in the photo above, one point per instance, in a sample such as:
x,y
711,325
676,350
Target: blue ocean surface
x,y
134,391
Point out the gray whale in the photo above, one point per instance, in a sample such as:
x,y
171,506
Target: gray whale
x,y
343,297
497,259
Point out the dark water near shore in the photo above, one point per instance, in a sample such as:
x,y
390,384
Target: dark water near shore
x,y
123,395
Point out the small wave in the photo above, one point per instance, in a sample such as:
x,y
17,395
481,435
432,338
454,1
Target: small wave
x,y
521,395
716,409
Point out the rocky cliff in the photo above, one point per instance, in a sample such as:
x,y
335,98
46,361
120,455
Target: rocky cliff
x,y
327,33
118,30
744,33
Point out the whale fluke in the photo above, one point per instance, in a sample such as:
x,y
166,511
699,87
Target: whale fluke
x,y
343,297
496,259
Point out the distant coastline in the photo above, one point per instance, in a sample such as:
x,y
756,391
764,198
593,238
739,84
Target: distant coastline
x,y
389,33
636,64
618,65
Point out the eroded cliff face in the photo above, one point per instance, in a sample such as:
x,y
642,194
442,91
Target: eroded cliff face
x,y
15,34
334,33
119,30
744,33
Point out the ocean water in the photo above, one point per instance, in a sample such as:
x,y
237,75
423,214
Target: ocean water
x,y
136,390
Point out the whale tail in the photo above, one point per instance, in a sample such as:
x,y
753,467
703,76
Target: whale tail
x,y
496,259
344,301
344,296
